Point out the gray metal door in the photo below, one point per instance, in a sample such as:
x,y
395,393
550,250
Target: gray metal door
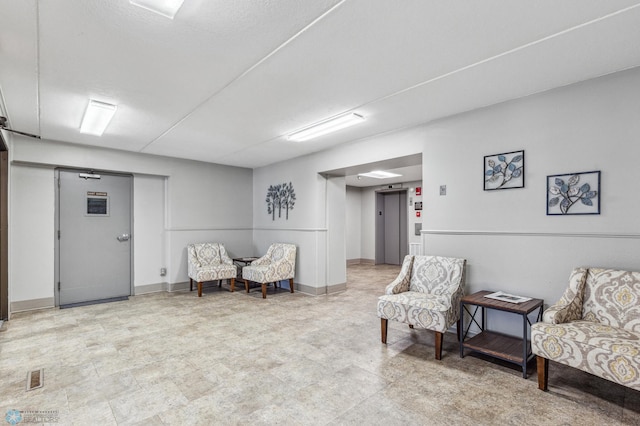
x,y
392,229
94,236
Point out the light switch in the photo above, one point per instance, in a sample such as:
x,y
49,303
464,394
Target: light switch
x,y
443,189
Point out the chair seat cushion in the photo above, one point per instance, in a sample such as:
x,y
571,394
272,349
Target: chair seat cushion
x,y
419,309
609,352
268,273
212,273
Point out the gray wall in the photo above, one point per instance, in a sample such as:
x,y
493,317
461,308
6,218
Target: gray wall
x,y
175,202
506,236
588,126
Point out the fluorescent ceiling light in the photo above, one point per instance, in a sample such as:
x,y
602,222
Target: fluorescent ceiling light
x,y
327,126
166,8
97,117
379,174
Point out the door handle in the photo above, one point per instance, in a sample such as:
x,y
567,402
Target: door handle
x,y
123,237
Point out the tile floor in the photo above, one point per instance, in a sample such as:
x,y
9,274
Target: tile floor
x,y
233,358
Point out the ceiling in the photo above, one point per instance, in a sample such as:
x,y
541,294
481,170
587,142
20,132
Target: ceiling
x,y
227,80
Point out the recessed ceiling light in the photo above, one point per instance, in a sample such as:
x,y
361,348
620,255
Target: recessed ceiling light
x,y
379,174
97,117
326,126
166,8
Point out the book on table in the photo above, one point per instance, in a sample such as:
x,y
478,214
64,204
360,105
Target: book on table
x,y
506,297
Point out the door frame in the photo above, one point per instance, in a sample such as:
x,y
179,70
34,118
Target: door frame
x,y
57,171
4,230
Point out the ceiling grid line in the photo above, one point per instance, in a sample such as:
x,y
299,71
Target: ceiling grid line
x,y
448,74
226,83
38,66
244,73
493,58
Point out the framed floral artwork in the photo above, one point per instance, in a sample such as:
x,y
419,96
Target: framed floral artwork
x,y
573,193
504,171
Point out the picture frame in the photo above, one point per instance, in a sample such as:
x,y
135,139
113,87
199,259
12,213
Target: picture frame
x,y
504,171
573,193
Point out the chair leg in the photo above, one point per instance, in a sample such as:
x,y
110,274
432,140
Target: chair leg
x,y
458,329
190,284
543,373
246,285
383,329
219,283
291,284
439,336
264,290
199,288
233,285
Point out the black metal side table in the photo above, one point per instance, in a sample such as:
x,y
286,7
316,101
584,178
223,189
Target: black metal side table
x,y
508,348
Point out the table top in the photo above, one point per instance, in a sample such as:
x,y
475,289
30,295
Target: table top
x,y
479,299
244,259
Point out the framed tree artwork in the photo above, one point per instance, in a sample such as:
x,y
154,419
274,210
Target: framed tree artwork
x,y
573,193
504,171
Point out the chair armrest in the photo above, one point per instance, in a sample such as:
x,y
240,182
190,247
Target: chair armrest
x,y
264,260
569,307
402,281
561,313
224,257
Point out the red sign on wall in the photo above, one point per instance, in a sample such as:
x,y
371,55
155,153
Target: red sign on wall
x,y
419,190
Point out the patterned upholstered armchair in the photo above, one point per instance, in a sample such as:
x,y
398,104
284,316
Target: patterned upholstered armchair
x,y
426,294
209,262
278,264
594,327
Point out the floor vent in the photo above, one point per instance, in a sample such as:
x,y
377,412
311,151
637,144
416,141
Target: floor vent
x,y
35,379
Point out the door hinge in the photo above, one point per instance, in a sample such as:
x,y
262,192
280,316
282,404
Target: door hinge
x,y
58,234
58,285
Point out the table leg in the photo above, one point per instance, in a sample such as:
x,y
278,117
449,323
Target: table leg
x,y
524,345
461,330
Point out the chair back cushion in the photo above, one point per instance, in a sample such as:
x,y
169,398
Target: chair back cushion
x,y
284,256
436,274
612,297
206,254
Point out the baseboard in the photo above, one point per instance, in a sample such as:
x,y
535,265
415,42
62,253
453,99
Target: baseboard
x,y
183,286
318,291
33,304
149,288
361,261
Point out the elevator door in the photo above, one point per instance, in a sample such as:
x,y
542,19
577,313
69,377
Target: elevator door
x,y
391,227
94,236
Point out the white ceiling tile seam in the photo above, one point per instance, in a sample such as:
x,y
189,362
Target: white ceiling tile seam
x,y
448,74
38,66
500,55
247,71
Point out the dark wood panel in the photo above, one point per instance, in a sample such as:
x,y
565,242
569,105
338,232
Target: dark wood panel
x,y
497,345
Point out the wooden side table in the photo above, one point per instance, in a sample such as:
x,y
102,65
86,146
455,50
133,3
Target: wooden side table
x,y
508,348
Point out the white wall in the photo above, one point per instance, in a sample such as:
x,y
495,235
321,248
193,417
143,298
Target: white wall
x,y
508,239
31,244
175,202
353,222
589,126
309,216
148,223
411,211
